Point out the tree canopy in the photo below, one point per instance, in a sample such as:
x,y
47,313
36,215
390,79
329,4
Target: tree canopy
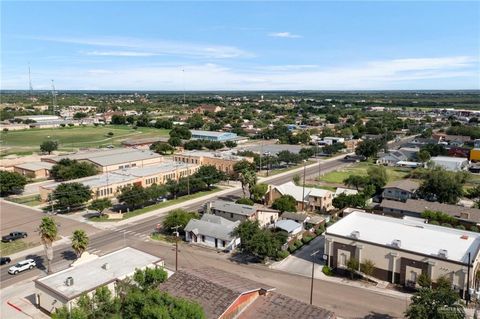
x,y
442,186
285,203
177,217
11,183
70,196
67,169
48,146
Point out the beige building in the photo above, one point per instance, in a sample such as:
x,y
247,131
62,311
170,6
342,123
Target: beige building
x,y
108,185
108,160
34,169
221,160
309,199
239,212
403,249
65,287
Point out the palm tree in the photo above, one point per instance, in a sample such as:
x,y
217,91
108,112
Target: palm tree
x,y
48,232
79,242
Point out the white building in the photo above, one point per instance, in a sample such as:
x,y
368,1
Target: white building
x,y
212,231
450,163
403,249
65,287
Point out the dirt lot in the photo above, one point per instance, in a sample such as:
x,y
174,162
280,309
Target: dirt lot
x,y
18,218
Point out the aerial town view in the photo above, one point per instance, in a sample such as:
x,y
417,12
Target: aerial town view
x,y
240,159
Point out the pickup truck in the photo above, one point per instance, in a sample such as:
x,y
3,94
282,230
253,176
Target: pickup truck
x,y
14,236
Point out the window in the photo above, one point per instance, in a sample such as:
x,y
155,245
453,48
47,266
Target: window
x,y
203,238
224,243
231,215
413,276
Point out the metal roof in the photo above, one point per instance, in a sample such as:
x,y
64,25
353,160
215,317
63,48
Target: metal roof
x,y
213,226
231,207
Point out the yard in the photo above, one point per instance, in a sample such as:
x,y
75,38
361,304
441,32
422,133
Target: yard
x,y
70,138
337,177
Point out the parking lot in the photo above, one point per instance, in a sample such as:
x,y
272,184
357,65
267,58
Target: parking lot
x,y
20,218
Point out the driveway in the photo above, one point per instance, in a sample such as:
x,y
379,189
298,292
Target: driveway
x,y
300,262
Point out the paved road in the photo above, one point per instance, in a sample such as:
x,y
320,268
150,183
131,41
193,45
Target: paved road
x,y
347,302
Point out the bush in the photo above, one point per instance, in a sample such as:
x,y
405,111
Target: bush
x,y
307,239
245,201
433,222
327,271
447,225
460,227
71,124
319,230
292,248
474,228
282,254
298,243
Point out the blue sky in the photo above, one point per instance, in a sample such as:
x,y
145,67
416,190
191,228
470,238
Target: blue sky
x,y
241,45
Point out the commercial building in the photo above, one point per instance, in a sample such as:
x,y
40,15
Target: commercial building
x,y
34,169
308,198
213,136
448,163
239,212
38,118
404,249
144,143
65,287
108,160
212,231
223,295
108,185
223,161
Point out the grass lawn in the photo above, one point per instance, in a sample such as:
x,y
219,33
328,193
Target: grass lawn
x,y
69,138
162,237
147,209
15,246
283,170
337,177
33,200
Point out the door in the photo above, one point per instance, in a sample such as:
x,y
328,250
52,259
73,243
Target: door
x,y
216,243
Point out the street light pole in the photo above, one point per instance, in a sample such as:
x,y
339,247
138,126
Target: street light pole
x,y
313,274
176,245
303,193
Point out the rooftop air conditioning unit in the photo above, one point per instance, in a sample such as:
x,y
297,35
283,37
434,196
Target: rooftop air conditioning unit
x,y
397,243
106,266
69,281
355,234
443,253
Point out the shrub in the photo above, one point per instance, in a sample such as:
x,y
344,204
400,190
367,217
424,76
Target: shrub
x,y
460,227
327,271
307,239
474,228
447,225
282,254
71,124
298,243
292,248
319,230
434,222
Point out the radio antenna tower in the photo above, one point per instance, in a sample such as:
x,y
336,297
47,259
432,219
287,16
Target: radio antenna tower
x,y
183,80
30,87
54,98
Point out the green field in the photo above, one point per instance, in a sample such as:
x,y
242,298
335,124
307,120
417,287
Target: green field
x,y
338,176
71,138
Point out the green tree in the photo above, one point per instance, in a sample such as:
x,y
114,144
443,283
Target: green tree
x,y
285,203
174,141
133,195
80,115
100,204
162,148
150,277
48,233
181,132
356,181
258,192
352,266
210,175
441,302
67,169
424,281
423,156
214,145
80,242
296,179
195,121
11,183
245,172
69,196
48,146
245,231
369,148
177,217
245,201
230,144
442,186
377,176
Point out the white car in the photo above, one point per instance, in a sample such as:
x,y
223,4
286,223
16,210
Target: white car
x,y
22,266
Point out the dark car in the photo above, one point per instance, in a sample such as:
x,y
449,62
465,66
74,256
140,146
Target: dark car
x,y
14,236
5,260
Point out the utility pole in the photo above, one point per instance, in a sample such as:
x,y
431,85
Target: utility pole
x,y
304,175
313,274
54,98
468,280
30,87
188,179
176,233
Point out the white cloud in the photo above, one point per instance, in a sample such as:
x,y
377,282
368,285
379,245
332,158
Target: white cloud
x,y
460,72
120,53
155,46
284,35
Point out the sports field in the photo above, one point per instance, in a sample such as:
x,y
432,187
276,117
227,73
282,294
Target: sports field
x,y
71,138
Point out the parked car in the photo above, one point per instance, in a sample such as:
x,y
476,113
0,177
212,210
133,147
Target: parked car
x,y
14,236
5,260
22,266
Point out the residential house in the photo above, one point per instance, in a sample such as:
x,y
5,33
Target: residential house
x,y
404,249
292,228
394,157
296,217
224,295
212,231
400,190
415,208
308,198
346,191
240,212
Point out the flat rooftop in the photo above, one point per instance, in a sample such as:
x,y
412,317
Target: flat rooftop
x,y
221,155
34,166
91,274
210,133
105,157
272,149
415,236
